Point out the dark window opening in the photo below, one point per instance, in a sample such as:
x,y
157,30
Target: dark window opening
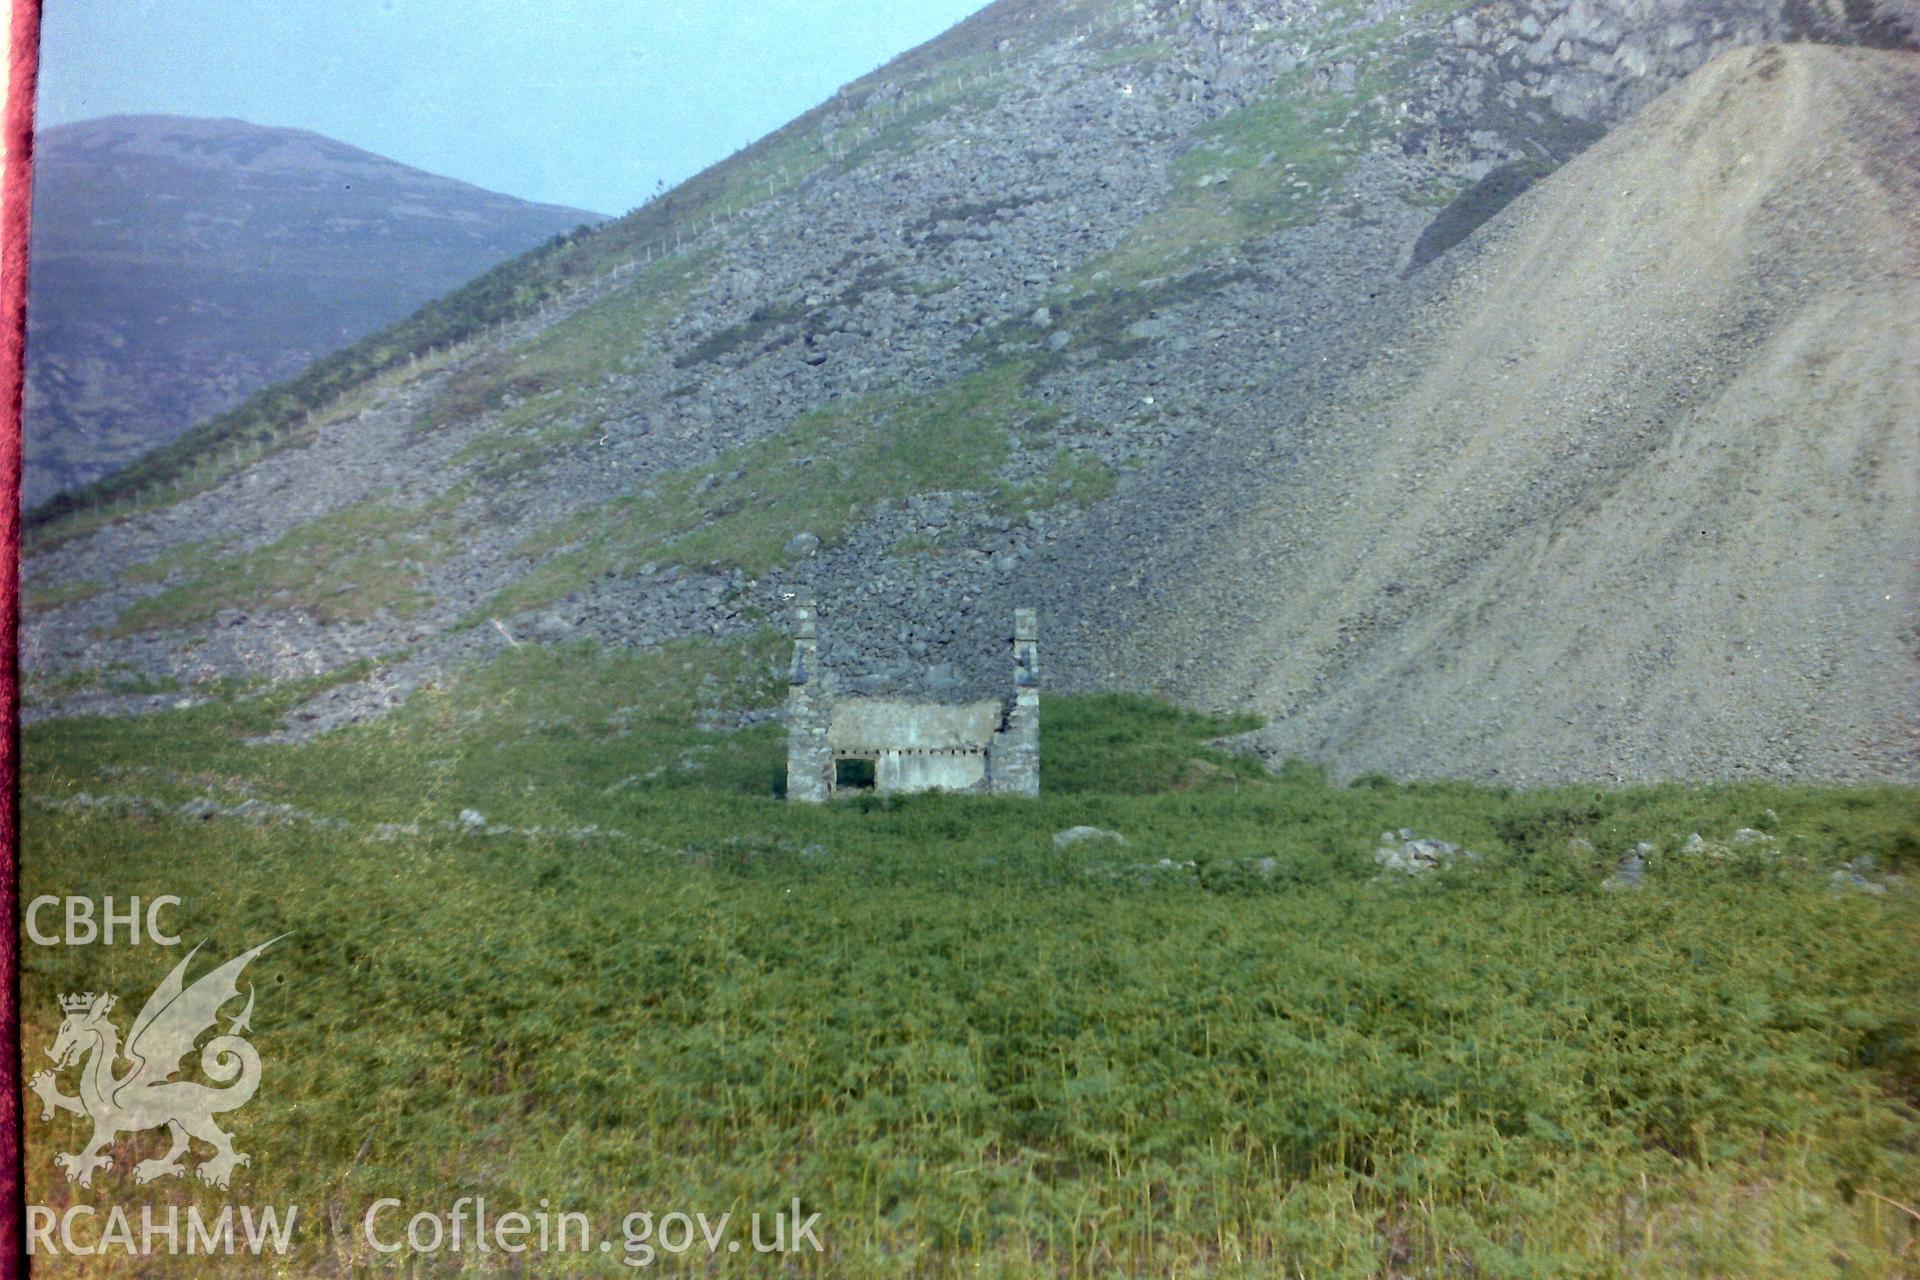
x,y
853,775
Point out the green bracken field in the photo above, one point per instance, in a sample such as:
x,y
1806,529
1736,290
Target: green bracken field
x,y
644,982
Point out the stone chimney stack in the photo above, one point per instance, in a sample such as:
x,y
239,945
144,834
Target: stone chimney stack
x,y
1016,763
809,711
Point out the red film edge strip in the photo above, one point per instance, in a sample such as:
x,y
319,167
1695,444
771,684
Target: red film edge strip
x,y
16,191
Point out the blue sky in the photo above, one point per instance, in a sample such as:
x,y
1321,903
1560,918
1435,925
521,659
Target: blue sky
x,y
577,102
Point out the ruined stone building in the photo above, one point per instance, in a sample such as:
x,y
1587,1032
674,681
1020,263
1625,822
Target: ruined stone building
x,y
887,745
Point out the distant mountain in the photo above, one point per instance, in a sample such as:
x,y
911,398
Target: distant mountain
x,y
181,264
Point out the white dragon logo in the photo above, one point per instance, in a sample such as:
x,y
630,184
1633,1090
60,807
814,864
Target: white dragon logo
x,y
147,1096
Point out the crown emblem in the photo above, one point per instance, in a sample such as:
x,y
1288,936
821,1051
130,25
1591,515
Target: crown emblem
x,y
83,1002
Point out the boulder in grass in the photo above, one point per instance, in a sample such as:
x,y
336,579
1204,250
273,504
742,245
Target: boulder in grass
x,y
1413,854
1856,876
1080,835
1631,873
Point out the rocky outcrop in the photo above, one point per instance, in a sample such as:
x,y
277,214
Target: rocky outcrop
x,y
1409,853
